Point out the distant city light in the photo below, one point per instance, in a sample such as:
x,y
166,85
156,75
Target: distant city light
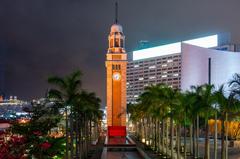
x,y
205,42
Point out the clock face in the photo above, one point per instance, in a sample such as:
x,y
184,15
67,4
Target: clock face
x,y
116,76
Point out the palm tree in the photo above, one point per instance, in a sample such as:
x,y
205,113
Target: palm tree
x,y
206,101
89,111
134,117
225,106
177,112
66,91
188,112
194,98
235,85
169,100
142,105
157,102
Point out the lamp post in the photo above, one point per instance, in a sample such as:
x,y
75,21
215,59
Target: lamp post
x,y
215,122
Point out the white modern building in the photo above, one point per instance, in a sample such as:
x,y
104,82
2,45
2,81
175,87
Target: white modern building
x,y
196,67
165,64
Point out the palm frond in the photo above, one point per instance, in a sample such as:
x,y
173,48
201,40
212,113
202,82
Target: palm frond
x,y
57,81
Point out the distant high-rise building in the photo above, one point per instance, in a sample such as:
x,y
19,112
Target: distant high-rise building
x,y
163,64
143,44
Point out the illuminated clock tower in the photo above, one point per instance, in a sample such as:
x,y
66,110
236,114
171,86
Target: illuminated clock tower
x,y
116,65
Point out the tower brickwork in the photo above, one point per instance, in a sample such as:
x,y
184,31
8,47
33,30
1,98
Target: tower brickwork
x,y
116,67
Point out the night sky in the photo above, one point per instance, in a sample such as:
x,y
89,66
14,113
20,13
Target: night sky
x,y
39,38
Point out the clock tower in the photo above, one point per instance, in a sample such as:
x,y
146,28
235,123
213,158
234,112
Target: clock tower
x,y
116,65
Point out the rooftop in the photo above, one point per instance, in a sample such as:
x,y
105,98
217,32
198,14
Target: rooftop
x,y
173,48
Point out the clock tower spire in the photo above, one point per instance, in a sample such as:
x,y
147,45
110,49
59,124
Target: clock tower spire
x,y
116,65
116,12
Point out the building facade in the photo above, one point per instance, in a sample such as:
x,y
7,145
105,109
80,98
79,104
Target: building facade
x,y
163,64
223,65
143,73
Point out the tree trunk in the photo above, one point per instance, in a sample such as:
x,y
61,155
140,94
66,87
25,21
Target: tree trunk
x,y
159,136
67,143
185,136
166,144
223,138
206,155
86,136
71,136
178,141
215,137
172,134
148,130
90,131
226,118
194,138
191,138
197,135
76,137
155,136
152,132
144,130
138,130
80,139
163,130
135,128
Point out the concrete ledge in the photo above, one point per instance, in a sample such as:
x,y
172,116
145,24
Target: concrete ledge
x,y
130,140
104,153
142,153
95,142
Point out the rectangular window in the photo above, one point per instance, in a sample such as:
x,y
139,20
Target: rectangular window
x,y
152,77
152,67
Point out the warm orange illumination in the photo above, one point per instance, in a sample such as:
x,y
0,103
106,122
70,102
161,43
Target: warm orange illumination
x,y
23,121
233,128
1,98
56,134
116,68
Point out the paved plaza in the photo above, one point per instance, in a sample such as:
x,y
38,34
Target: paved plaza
x,y
123,155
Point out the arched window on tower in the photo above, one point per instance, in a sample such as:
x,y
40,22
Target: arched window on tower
x,y
117,42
